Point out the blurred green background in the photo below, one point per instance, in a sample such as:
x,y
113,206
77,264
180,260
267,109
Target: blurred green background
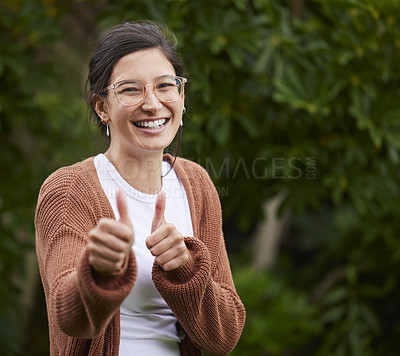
x,y
294,110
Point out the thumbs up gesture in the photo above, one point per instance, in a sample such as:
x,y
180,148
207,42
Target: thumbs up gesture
x,y
110,241
166,243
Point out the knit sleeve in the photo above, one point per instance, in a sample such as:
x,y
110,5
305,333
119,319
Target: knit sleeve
x,y
80,302
202,294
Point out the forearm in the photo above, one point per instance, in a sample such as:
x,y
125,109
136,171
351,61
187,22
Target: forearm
x,y
206,305
82,303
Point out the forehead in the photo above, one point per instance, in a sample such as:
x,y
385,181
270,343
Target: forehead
x,y
145,65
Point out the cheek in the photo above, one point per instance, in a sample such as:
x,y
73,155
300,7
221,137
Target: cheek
x,y
121,112
177,108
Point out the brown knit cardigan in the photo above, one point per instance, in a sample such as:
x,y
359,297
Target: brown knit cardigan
x,y
83,306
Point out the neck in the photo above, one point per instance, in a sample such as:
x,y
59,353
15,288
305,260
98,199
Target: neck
x,y
143,173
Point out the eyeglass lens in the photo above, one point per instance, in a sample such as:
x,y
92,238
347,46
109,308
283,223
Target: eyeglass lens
x,y
166,89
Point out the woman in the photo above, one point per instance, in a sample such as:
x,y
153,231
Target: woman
x,y
129,242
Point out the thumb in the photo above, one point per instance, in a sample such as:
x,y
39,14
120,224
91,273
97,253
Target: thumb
x,y
159,218
123,208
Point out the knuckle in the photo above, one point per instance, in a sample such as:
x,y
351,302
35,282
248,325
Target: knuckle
x,y
181,248
126,236
179,243
169,227
116,265
167,267
102,223
182,257
91,250
93,233
127,249
128,231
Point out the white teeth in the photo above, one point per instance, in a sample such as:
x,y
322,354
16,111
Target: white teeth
x,y
151,124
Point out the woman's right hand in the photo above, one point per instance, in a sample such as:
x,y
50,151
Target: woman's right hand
x,y
110,241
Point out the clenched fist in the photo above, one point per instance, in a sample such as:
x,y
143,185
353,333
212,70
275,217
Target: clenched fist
x,y
111,241
166,243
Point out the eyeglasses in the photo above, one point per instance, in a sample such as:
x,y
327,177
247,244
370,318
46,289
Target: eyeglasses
x,y
167,89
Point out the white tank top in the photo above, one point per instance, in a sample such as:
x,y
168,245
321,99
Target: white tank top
x,y
148,326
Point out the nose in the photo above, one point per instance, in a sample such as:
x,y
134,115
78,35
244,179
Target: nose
x,y
151,102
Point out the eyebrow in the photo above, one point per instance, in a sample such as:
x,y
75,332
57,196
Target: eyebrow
x,y
139,81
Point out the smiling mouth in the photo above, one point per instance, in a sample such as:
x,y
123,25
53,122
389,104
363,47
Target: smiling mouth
x,y
153,124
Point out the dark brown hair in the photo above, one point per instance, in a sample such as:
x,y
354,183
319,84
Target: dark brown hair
x,y
121,40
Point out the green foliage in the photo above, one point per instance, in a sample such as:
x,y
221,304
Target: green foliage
x,y
303,100
18,118
37,135
270,304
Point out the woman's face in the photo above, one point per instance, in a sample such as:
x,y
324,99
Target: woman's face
x,y
129,126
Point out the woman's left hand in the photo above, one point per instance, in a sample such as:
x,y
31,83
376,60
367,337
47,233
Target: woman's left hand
x,y
166,243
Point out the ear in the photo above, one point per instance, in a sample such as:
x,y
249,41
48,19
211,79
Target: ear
x,y
100,106
183,98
